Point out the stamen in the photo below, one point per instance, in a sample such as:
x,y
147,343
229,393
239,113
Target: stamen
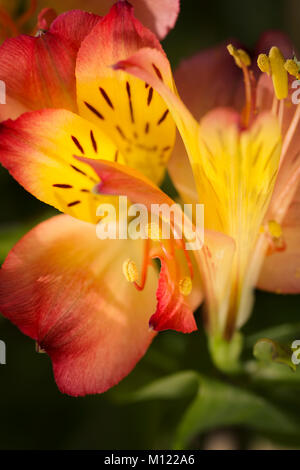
x,y
275,229
240,56
185,286
281,112
277,242
264,63
146,262
292,68
243,61
276,66
279,73
181,245
189,262
130,270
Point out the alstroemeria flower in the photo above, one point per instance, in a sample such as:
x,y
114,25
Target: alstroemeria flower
x,y
60,69
73,160
245,165
60,284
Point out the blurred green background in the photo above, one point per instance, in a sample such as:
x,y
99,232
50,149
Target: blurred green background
x,y
34,415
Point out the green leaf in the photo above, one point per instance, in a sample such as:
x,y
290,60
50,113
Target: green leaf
x,y
10,234
175,386
268,350
218,404
8,237
272,372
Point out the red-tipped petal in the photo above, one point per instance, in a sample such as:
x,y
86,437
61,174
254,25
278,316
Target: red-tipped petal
x,y
39,72
58,285
173,309
39,149
158,15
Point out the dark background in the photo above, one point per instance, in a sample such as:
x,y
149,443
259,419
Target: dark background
x,y
33,413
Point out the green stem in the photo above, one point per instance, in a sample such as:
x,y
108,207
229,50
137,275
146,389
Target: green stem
x,y
226,354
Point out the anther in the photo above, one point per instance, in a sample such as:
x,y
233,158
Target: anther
x,y
275,229
130,270
263,63
240,56
279,73
185,286
277,241
292,68
245,58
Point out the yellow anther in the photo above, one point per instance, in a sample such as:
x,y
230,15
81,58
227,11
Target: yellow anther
x,y
240,56
245,58
130,271
292,68
231,49
279,73
185,286
261,229
264,63
275,229
153,231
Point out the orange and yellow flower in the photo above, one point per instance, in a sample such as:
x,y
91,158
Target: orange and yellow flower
x,y
107,115
114,136
246,172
